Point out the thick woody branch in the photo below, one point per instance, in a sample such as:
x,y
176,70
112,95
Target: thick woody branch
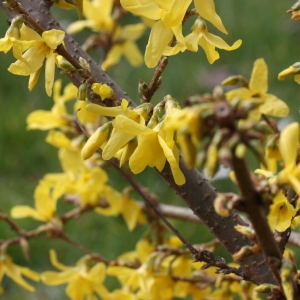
x,y
197,192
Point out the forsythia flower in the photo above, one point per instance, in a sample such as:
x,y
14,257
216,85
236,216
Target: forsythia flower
x,y
98,15
83,280
208,41
45,204
257,93
169,15
124,44
58,116
281,213
14,38
34,57
15,272
288,147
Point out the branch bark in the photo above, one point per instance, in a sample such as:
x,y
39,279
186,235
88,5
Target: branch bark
x,y
197,192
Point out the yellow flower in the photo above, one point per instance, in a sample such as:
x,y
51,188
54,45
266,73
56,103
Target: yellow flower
x,y
131,211
69,4
14,38
15,272
58,116
288,147
155,146
281,213
83,280
44,202
124,44
257,92
34,57
208,41
293,70
169,15
98,17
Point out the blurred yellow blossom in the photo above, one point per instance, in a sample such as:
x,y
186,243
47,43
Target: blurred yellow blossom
x,y
16,273
288,147
124,44
98,14
84,280
44,202
58,116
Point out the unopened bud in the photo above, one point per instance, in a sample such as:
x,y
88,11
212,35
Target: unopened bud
x,y
103,90
290,71
95,141
233,80
220,205
245,230
266,288
15,27
85,65
82,92
240,150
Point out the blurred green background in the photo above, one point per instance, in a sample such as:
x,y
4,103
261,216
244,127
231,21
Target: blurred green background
x,y
266,31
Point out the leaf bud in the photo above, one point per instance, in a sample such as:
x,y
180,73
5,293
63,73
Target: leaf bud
x,y
82,92
85,65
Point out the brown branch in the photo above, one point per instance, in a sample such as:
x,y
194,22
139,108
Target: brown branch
x,y
197,192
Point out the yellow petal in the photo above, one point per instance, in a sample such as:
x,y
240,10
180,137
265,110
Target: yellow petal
x,y
117,140
113,57
211,54
24,211
133,54
53,37
274,106
173,161
259,77
288,144
206,9
148,9
95,141
174,16
127,125
105,111
159,38
220,43
148,153
49,73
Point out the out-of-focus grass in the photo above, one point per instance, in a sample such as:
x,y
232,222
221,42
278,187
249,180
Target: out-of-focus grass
x,y
266,32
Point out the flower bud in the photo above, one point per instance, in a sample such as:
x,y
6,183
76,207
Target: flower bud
x,y
265,288
95,141
103,90
220,205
